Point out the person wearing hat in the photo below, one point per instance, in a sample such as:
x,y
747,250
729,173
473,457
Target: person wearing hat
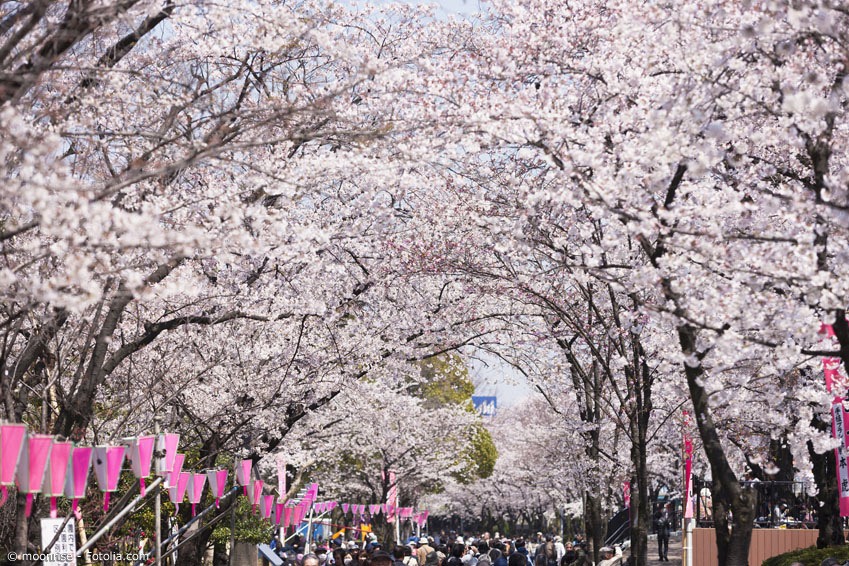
x,y
423,550
610,557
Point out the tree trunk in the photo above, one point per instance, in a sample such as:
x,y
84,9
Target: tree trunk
x,y
732,541
21,524
596,525
825,476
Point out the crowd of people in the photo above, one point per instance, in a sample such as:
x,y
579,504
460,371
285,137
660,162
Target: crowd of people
x,y
448,550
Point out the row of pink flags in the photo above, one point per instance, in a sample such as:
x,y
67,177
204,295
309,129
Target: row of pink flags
x,y
40,464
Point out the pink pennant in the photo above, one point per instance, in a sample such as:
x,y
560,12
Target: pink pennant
x,y
217,484
11,444
177,492
267,505
385,508
243,473
345,507
167,443
176,470
140,453
33,466
278,513
77,480
287,517
281,478
107,469
195,488
256,494
57,471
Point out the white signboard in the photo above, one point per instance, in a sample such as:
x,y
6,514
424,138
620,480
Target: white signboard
x,y
63,551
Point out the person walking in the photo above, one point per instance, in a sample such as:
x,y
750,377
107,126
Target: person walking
x,y
663,527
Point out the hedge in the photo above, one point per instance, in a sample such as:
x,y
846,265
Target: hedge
x,y
811,556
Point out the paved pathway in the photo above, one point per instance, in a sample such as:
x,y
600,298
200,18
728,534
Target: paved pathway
x,y
674,554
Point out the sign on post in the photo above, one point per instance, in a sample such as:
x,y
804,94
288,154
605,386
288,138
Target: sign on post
x,y
63,552
485,406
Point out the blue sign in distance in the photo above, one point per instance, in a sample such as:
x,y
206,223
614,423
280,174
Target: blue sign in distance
x,y
485,406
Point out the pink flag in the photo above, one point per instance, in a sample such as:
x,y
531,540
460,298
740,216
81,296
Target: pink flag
x,y
107,469
281,478
176,470
33,466
195,488
278,513
177,491
243,473
385,508
57,472
140,453
266,506
256,494
77,480
167,444
217,484
11,443
287,517
345,507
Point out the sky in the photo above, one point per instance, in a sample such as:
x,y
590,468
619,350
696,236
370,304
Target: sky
x,y
491,376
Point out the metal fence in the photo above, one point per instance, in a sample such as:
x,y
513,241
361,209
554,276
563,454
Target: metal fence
x,y
782,504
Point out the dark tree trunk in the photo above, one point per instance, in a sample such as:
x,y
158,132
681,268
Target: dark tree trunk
x,y
596,525
732,539
829,523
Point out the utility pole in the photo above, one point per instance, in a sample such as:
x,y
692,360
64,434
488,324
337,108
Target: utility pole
x,y
157,502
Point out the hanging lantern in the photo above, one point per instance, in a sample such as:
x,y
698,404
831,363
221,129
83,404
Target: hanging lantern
x,y
107,469
57,472
176,470
287,516
217,484
255,494
140,453
33,466
166,446
177,492
76,481
345,507
266,506
11,444
195,488
278,512
243,474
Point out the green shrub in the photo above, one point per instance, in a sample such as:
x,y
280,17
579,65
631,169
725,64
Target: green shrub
x,y
811,556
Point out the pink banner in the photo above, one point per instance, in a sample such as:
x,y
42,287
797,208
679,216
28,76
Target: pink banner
x,y
831,370
195,488
33,466
281,479
176,470
168,444
243,474
11,444
266,506
140,453
626,494
57,472
77,480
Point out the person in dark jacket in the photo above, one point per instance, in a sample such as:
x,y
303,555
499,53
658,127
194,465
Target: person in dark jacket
x,y
663,527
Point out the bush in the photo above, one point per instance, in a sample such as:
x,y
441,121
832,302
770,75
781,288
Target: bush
x,y
811,556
